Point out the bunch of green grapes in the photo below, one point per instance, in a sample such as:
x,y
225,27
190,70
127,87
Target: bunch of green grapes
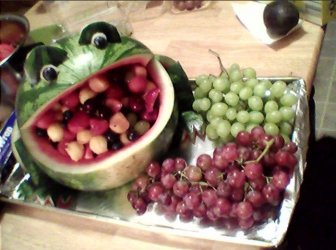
x,y
237,101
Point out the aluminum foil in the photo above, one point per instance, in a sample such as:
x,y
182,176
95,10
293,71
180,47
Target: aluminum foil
x,y
112,206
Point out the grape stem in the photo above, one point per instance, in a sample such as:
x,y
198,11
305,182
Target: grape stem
x,y
219,60
265,151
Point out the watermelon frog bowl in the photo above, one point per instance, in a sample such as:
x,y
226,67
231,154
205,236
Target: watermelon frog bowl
x,y
95,108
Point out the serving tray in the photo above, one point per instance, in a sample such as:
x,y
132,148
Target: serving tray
x,y
18,187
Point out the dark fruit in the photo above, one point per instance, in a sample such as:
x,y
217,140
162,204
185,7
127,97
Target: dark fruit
x,y
280,17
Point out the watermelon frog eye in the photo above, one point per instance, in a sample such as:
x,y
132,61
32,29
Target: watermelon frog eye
x,y
49,73
99,40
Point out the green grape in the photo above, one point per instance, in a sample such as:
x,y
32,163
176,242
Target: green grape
x,y
223,129
235,75
205,85
271,128
270,106
201,78
234,66
224,74
288,114
256,117
221,84
255,103
236,128
250,126
245,93
274,116
260,90
288,100
286,138
236,86
249,73
251,83
243,116
216,120
199,93
211,132
231,114
231,99
278,88
266,83
215,95
219,109
286,128
196,105
204,104
212,78
210,115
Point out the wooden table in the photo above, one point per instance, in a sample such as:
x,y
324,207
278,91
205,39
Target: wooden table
x,y
186,38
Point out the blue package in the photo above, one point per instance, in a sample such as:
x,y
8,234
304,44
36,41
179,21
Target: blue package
x,y
5,139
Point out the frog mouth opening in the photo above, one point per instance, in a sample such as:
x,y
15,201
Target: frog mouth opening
x,y
102,115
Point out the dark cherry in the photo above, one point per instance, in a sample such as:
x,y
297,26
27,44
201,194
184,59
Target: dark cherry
x,y
90,106
41,132
132,135
111,137
116,145
103,112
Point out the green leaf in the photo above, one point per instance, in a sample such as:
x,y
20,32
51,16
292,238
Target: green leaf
x,y
193,122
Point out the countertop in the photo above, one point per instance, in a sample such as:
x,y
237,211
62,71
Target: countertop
x,y
186,38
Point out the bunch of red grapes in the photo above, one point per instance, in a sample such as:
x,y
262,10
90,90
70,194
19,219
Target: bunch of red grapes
x,y
241,184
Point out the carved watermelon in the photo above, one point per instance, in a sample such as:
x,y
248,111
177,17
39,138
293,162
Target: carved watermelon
x,y
96,108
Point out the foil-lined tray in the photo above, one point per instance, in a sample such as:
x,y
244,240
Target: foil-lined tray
x,y
112,206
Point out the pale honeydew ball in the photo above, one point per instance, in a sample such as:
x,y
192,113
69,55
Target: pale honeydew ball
x,y
271,128
249,73
221,84
243,116
236,128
